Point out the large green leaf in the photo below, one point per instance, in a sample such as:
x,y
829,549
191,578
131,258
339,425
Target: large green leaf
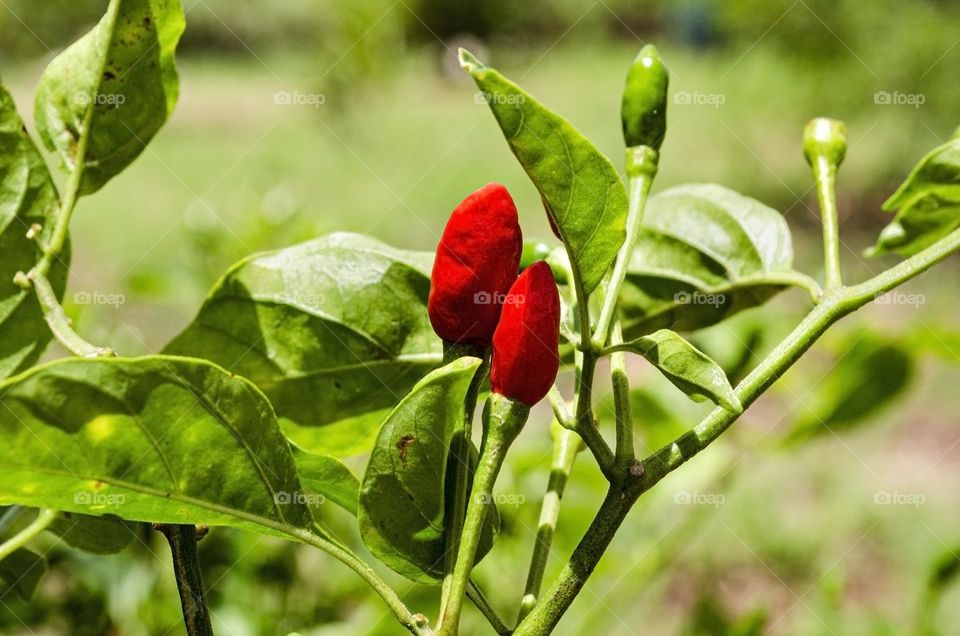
x,y
124,71
581,189
345,438
27,197
99,535
20,573
403,494
688,368
927,204
159,438
328,329
327,477
705,253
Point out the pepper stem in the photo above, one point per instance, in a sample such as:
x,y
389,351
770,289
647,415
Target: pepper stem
x,y
824,146
502,420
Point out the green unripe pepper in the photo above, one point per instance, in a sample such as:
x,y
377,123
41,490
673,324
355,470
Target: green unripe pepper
x,y
827,138
644,108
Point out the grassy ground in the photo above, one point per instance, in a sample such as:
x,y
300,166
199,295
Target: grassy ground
x,y
797,536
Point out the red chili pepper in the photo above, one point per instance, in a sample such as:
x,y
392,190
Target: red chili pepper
x,y
477,260
526,356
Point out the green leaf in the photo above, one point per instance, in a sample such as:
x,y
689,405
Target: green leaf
x,y
927,204
403,494
688,368
20,573
345,438
580,187
99,535
325,476
119,82
869,374
159,438
27,197
328,329
705,253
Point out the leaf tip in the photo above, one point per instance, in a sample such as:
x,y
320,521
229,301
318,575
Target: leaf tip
x,y
468,61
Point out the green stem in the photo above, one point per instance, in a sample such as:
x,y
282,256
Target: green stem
x,y
584,423
559,406
186,568
476,595
641,476
44,519
503,419
415,623
566,445
59,323
460,453
621,400
641,169
825,176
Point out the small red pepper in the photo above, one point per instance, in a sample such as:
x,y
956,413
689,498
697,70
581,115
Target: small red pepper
x,y
526,353
476,262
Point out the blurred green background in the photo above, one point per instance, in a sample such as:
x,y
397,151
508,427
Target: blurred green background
x,y
830,509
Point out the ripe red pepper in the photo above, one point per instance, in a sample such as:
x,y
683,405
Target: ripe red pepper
x,y
526,353
476,262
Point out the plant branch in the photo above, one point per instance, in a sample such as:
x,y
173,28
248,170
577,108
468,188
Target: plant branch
x,y
476,595
460,453
641,169
416,624
641,476
59,323
186,568
559,406
502,420
584,423
44,518
621,400
825,175
566,446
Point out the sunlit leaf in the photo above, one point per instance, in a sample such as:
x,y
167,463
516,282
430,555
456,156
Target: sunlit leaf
x,y
159,439
118,81
704,254
688,368
403,496
581,189
328,329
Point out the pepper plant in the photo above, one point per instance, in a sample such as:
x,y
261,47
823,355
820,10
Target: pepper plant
x,y
225,426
